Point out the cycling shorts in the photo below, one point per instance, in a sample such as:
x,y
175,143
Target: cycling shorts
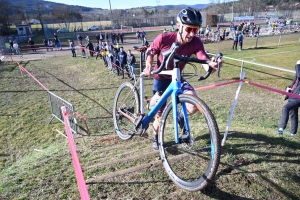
x,y
162,85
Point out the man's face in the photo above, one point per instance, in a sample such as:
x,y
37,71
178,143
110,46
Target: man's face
x,y
188,32
121,49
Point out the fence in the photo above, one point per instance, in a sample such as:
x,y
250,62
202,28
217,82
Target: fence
x,y
56,103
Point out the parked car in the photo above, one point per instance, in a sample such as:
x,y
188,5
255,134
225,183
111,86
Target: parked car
x,y
93,28
63,30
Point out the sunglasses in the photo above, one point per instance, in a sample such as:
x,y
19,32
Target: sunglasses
x,y
190,29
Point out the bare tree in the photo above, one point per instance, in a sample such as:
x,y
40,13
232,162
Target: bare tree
x,y
22,13
4,16
66,15
39,10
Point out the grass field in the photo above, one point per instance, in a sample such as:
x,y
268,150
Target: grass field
x,y
35,160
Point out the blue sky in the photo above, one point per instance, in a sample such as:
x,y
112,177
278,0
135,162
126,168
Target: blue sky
x,y
122,4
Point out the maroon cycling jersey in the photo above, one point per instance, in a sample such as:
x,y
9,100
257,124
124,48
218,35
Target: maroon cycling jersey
x,y
164,41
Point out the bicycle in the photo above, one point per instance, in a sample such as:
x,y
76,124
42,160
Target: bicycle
x,y
190,152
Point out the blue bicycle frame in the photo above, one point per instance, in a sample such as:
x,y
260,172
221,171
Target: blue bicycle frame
x,y
173,90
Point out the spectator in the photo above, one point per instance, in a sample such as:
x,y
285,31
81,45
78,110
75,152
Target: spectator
x,y
207,32
87,38
101,37
113,38
79,39
121,37
145,42
258,30
123,61
222,37
240,40
11,44
138,35
45,42
118,38
31,44
72,47
59,45
116,60
90,47
118,47
232,27
104,53
16,47
97,51
235,40
82,51
143,34
106,36
56,41
50,43
131,64
97,38
291,108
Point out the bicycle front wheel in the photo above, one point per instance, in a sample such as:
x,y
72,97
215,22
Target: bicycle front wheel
x,y
126,105
192,162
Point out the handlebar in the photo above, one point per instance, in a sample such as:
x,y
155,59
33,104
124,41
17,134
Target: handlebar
x,y
205,76
169,54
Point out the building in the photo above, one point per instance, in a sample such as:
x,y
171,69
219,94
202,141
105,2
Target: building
x,y
24,29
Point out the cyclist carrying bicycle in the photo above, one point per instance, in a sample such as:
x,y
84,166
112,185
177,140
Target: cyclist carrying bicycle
x,y
189,22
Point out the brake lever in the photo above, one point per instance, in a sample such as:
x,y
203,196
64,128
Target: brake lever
x,y
209,71
217,56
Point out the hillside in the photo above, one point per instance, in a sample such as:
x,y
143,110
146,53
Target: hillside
x,y
198,6
30,5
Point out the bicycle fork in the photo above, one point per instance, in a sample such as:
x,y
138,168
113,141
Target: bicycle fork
x,y
176,114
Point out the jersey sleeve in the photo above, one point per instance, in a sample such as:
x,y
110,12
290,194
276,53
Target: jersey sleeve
x,y
155,45
200,52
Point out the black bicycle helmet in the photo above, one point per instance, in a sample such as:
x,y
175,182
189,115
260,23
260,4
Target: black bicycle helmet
x,y
190,16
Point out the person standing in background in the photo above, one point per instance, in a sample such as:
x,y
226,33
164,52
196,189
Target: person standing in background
x,y
240,41
291,108
123,61
131,63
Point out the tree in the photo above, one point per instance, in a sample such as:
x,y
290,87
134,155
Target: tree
x,y
66,15
4,17
21,12
39,11
145,12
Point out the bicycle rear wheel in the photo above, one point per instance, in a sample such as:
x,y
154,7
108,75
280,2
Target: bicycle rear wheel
x,y
193,162
126,105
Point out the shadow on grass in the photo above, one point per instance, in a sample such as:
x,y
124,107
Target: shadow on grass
x,y
62,81
263,156
258,48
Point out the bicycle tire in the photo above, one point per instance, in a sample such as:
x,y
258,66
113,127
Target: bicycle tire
x,y
126,104
193,162
189,72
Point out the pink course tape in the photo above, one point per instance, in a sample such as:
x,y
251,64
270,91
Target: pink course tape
x,y
273,89
216,85
78,171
